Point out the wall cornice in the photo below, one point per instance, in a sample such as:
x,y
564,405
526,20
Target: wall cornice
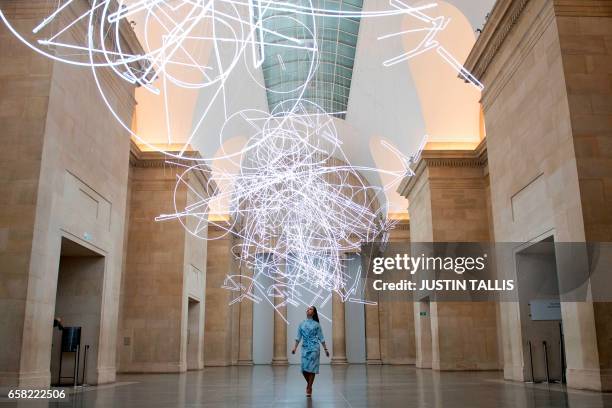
x,y
146,158
583,8
221,226
156,159
502,60
476,158
502,19
403,225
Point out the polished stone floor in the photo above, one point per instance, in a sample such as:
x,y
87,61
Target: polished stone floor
x,y
349,386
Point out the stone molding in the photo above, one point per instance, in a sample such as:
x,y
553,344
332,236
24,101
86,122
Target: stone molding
x,y
506,14
476,158
156,159
502,19
541,20
220,226
141,158
403,225
583,8
19,9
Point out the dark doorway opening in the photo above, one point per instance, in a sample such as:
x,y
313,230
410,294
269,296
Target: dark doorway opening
x,y
78,303
194,311
540,312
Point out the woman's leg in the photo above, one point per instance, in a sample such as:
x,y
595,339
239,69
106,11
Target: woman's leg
x,y
311,380
307,378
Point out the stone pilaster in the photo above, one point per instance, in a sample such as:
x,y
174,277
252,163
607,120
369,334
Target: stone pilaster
x,y
279,358
245,352
372,320
163,297
338,330
448,198
218,336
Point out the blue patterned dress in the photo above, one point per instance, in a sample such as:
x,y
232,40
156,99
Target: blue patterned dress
x,y
311,335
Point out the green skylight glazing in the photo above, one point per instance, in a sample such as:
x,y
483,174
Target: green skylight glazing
x,y
286,68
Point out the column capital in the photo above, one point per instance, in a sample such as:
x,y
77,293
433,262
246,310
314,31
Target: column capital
x,y
439,165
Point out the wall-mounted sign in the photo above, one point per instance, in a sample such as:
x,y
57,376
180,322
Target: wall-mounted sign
x,y
545,309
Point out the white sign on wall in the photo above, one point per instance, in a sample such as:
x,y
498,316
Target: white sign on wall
x,y
545,309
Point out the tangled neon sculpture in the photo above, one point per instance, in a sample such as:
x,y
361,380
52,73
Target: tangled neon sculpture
x,y
297,205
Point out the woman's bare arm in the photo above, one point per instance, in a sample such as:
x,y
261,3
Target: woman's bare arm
x,y
325,348
295,346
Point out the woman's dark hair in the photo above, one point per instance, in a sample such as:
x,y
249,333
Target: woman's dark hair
x,y
315,315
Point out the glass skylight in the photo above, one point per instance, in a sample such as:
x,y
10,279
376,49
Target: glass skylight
x,y
285,68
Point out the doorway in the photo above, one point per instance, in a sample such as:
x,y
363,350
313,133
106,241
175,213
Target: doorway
x,y
194,351
423,338
78,303
540,313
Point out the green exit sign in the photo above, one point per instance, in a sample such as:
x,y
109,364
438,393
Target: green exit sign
x,y
423,313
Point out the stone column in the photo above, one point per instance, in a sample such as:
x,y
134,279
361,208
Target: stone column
x,y
280,335
218,320
372,318
245,350
372,333
338,332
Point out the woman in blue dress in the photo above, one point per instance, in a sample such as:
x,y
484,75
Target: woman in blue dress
x,y
311,334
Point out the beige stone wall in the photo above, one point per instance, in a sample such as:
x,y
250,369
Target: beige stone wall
x,y
396,317
531,156
546,67
397,337
25,80
153,283
194,284
372,317
245,329
67,177
389,324
448,203
220,338
532,170
586,47
164,269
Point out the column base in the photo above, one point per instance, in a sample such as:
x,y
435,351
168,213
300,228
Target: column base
x,y
245,362
280,362
588,379
341,360
28,380
376,361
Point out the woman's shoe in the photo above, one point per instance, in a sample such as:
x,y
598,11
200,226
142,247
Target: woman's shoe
x,y
308,392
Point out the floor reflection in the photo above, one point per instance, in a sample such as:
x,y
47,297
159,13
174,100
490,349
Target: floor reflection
x,y
338,386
